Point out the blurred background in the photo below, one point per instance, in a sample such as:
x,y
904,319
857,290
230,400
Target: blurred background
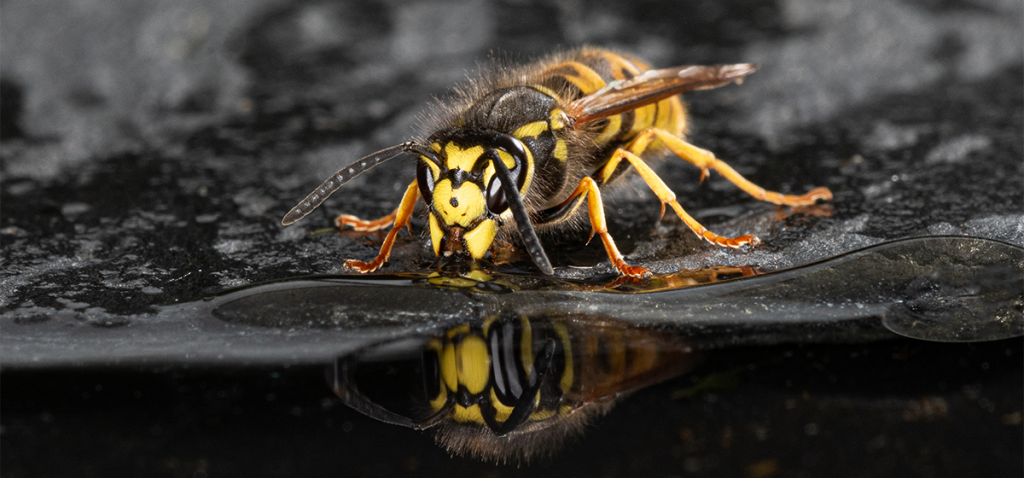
x,y
149,149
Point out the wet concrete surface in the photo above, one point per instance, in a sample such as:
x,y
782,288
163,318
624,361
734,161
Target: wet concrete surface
x,y
148,154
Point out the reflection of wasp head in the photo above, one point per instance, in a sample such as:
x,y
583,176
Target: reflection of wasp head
x,y
509,389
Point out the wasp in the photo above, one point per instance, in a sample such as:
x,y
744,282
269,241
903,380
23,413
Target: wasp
x,y
507,389
522,148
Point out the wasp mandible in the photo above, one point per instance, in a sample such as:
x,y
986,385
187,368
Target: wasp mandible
x,y
530,145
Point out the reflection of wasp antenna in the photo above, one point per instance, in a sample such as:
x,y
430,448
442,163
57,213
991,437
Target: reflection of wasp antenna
x,y
344,388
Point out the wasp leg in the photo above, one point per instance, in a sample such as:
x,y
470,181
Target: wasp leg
x,y
668,197
363,225
598,226
705,160
402,215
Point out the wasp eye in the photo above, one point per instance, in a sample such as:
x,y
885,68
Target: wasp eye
x,y
496,201
426,181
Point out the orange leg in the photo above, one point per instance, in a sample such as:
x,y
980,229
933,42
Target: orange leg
x,y
401,219
598,226
363,225
705,160
668,197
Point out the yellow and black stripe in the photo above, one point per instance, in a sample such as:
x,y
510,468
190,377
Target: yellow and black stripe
x,y
588,71
524,148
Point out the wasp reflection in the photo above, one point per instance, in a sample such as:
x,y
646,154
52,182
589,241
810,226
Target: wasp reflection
x,y
510,388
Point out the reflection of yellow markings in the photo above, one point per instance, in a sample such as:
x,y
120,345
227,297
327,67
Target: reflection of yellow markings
x,y
438,402
641,359
488,322
526,346
542,414
479,276
501,411
461,329
563,335
474,364
471,414
616,351
448,369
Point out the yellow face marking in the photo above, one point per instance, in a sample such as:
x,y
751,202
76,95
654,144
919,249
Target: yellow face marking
x,y
479,239
612,129
558,119
463,159
531,129
561,152
436,234
435,146
474,364
458,206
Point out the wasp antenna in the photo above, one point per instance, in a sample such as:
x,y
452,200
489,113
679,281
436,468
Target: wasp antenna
x,y
515,203
352,397
338,179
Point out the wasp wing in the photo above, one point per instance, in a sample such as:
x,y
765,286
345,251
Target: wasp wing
x,y
651,86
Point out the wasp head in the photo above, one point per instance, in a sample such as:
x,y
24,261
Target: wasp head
x,y
463,190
